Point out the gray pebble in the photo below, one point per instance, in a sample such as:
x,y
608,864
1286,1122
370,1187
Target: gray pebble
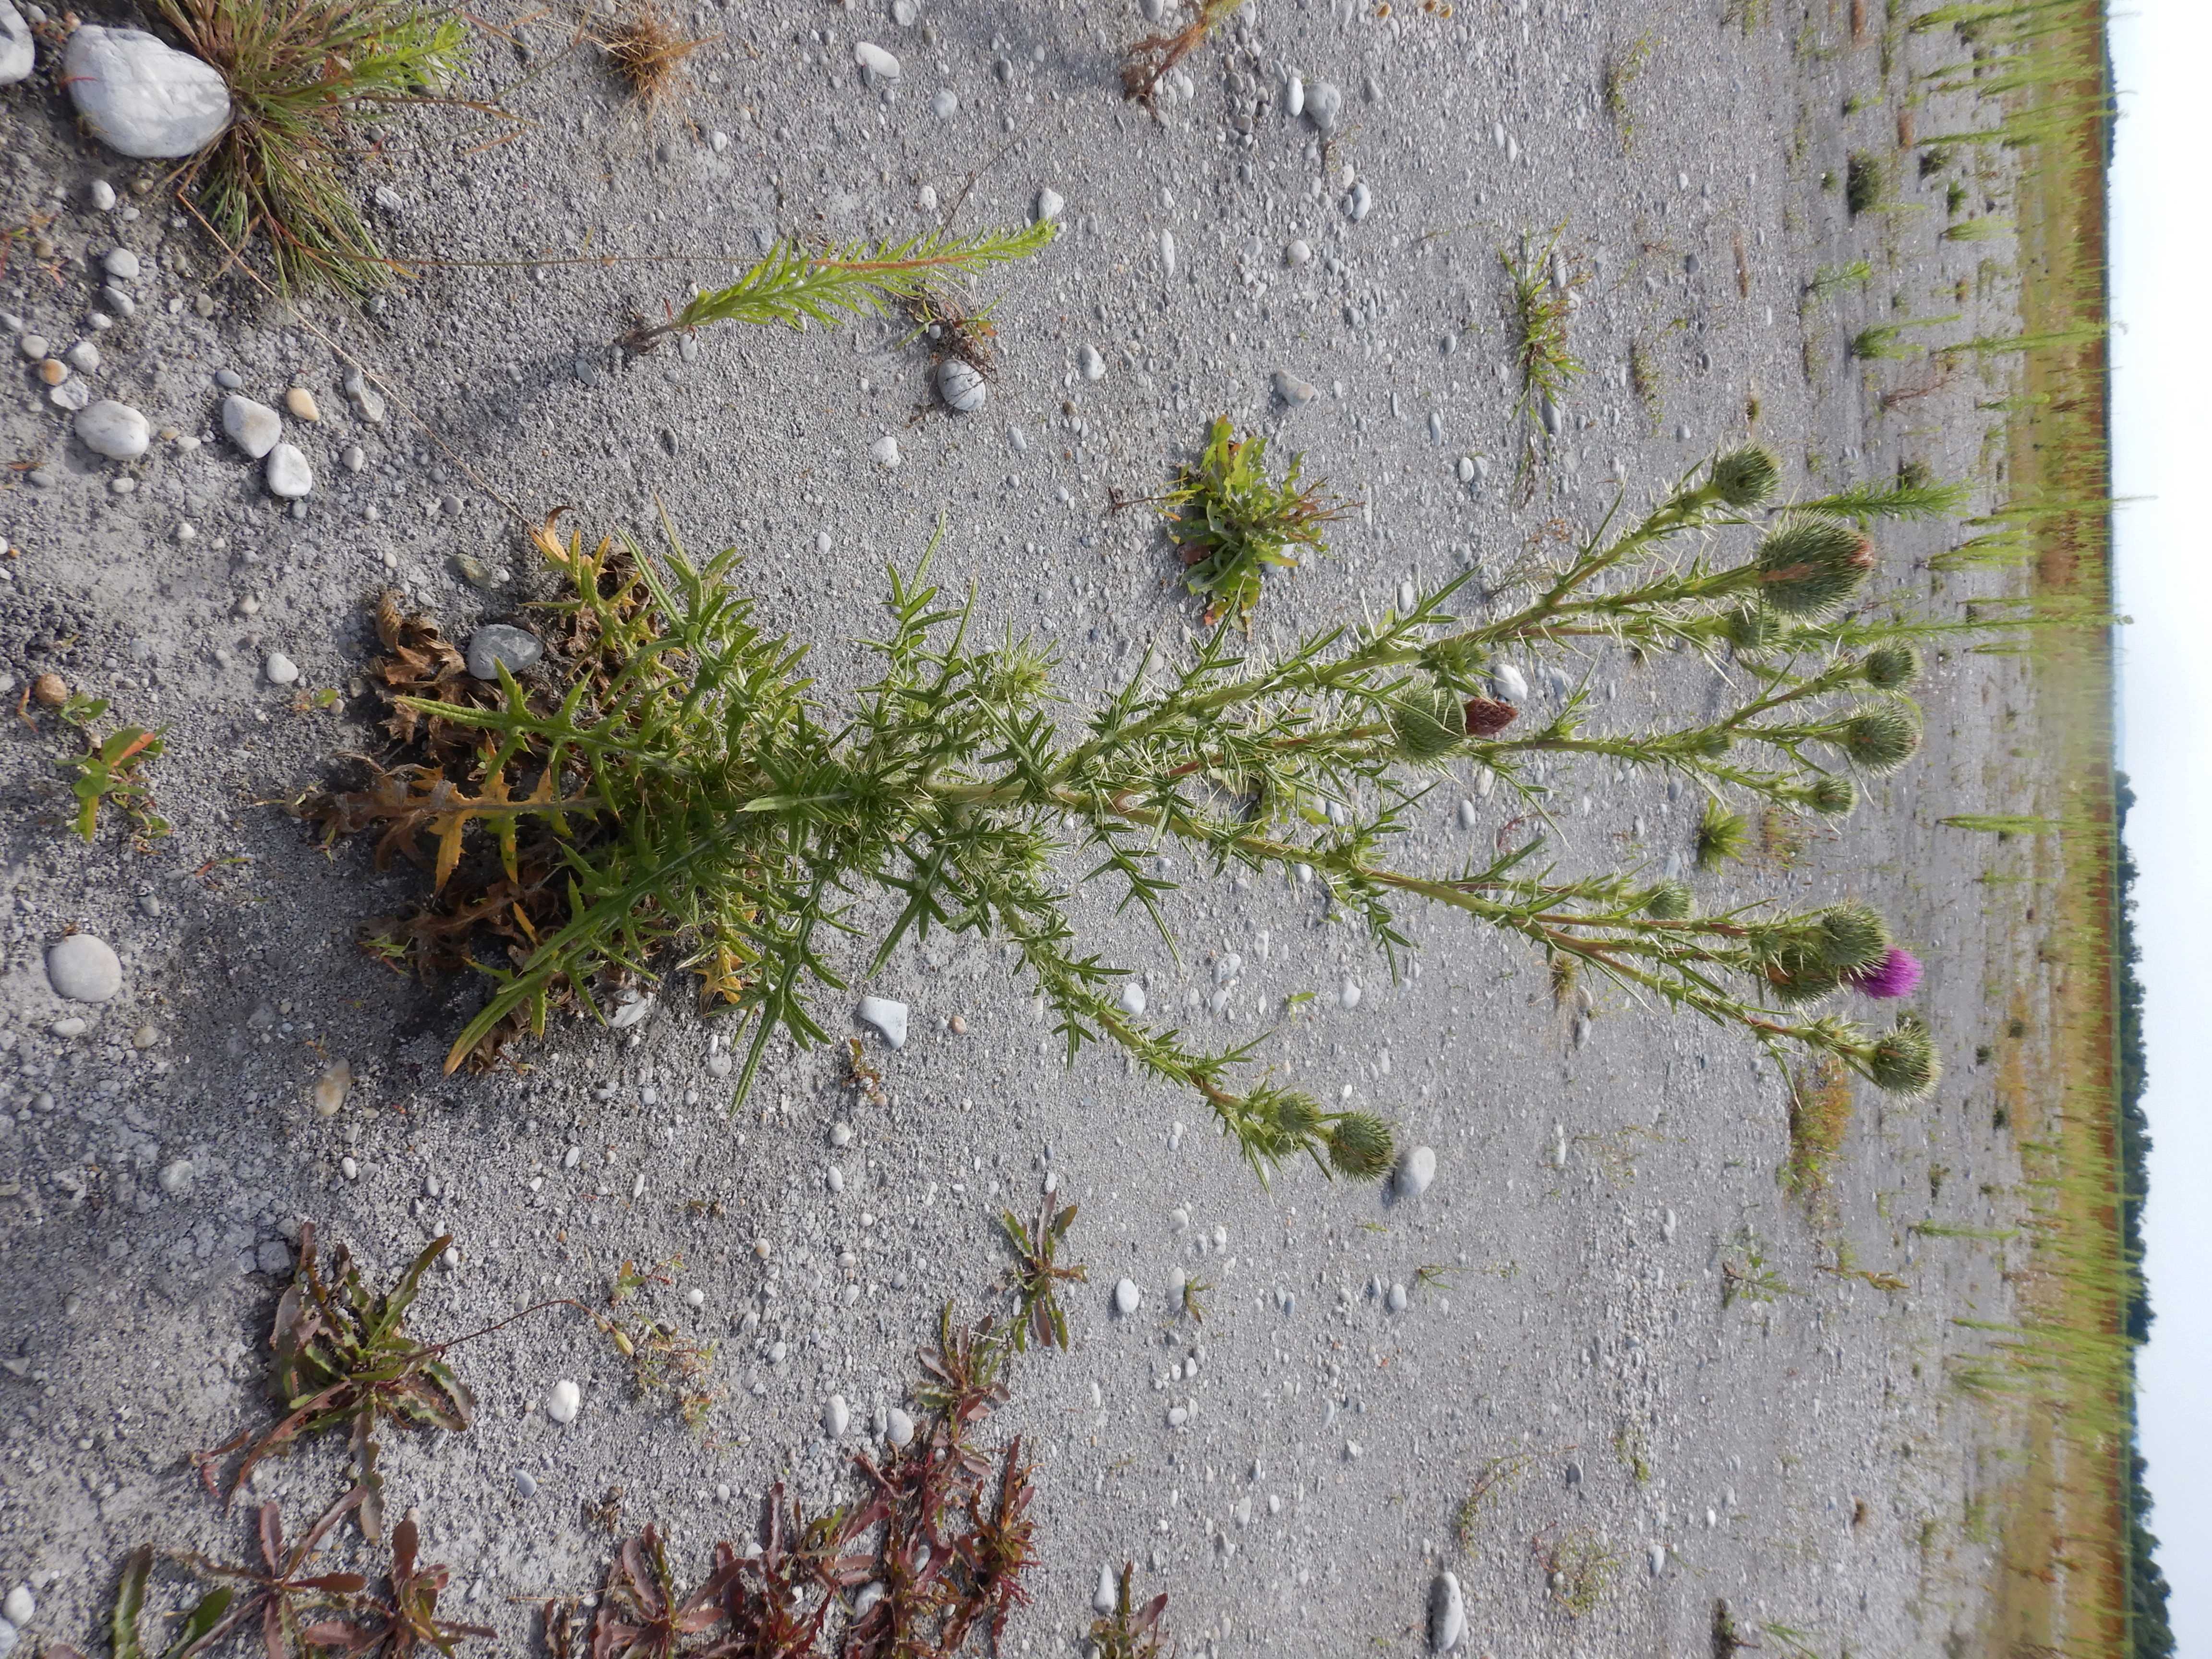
x,y
961,384
1092,364
228,379
945,105
1294,390
83,358
273,1258
119,302
1325,106
503,642
176,1178
1447,1613
121,263
1360,202
526,1484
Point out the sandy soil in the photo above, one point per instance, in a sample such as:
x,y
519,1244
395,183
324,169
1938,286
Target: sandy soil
x,y
1792,1454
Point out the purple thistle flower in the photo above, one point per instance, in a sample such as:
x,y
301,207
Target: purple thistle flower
x,y
1897,975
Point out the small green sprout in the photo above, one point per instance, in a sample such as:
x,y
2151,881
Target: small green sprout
x,y
1035,1278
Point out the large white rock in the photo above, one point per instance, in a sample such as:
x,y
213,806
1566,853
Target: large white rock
x,y
254,427
287,473
887,1016
880,65
18,53
564,1402
82,968
115,430
140,97
1447,1613
1417,1170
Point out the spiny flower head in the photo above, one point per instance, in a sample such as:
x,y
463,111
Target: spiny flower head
x,y
1879,736
1746,477
1428,724
1891,667
1902,1059
1359,1145
1897,975
1810,563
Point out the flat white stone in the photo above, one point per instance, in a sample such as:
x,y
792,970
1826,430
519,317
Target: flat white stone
x,y
115,430
1127,1299
289,475
1447,1613
884,451
961,384
82,968
254,427
1107,1595
886,1016
880,65
140,97
564,1402
836,1417
1416,1171
1132,1000
280,669
18,57
1050,203
898,1427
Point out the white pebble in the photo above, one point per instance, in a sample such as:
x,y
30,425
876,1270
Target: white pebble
x,y
836,1417
1050,203
115,430
884,451
1107,1596
83,969
962,385
1132,999
1092,364
1417,1170
102,196
1168,251
1447,1613
254,427
874,61
287,473
1349,993
1396,1299
886,1016
1127,1299
898,1427
280,669
564,1402
945,105
836,1177
176,1178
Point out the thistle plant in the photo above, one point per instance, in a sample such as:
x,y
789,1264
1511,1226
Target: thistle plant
x,y
669,794
794,286
301,73
1231,521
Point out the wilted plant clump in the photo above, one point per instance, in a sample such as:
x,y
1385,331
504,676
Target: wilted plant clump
x,y
670,794
1151,59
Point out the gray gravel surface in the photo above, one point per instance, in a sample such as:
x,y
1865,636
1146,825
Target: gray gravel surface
x,y
1803,1458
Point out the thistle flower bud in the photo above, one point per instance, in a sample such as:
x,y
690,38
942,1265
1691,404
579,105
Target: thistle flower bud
x,y
1850,936
1891,667
1753,628
1746,477
1359,1145
1879,736
1798,975
1810,563
1670,900
1903,1059
1428,724
1486,717
1834,796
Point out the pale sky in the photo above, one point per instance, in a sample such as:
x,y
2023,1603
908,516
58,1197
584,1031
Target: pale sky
x,y
2162,443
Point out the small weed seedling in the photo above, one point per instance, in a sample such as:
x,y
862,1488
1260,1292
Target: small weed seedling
x,y
1846,1266
1541,295
1620,73
1748,1277
793,286
344,1359
1036,1278
110,771
1150,61
301,75
1819,1117
1885,342
1829,281
1578,1570
1190,1298
1499,1476
1866,183
1631,1446
271,1597
1231,521
1129,1632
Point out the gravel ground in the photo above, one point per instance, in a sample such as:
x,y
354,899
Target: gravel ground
x,y
1595,1164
